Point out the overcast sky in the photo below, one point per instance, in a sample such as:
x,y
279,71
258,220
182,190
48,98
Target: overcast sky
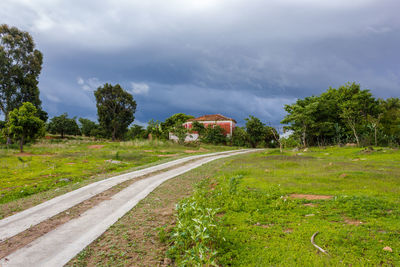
x,y
234,57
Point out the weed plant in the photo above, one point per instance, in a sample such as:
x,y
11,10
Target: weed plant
x,y
195,233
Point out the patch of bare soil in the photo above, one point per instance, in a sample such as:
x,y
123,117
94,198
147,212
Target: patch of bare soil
x,y
26,154
96,146
310,197
167,155
310,205
203,149
148,151
191,151
264,225
352,222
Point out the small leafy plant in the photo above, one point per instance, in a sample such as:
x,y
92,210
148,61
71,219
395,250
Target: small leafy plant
x,y
194,235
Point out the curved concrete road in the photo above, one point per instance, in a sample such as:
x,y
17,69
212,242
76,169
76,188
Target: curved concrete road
x,y
21,221
59,246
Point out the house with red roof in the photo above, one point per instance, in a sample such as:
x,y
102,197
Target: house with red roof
x,y
227,124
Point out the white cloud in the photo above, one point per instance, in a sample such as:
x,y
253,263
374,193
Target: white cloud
x,y
53,98
140,88
90,84
144,124
80,81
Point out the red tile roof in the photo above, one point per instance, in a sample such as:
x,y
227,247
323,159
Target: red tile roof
x,y
213,117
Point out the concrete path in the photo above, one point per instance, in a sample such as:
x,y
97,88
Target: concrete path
x,y
59,246
21,221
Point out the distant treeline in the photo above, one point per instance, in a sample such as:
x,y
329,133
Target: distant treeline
x,y
254,134
344,115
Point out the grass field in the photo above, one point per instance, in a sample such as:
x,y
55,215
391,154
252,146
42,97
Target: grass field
x,y
261,209
55,163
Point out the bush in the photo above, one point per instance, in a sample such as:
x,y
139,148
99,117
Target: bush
x,y
63,125
239,137
136,132
87,126
290,142
214,135
193,235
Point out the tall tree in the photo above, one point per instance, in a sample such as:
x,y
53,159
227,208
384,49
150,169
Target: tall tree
x,y
115,109
355,107
24,125
20,66
255,130
301,116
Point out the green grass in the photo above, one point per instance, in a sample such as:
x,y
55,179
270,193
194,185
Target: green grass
x,y
258,224
54,163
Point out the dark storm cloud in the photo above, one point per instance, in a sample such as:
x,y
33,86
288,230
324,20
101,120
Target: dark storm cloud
x,y
209,56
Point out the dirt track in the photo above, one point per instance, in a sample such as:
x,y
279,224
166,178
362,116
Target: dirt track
x,y
58,246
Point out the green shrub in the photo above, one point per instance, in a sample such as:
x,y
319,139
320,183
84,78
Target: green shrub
x,y
194,235
214,135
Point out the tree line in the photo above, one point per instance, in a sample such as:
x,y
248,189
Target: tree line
x,y
347,114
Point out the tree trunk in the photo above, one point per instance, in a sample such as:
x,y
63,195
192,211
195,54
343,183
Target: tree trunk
x,y
113,134
62,134
376,139
355,135
21,144
304,139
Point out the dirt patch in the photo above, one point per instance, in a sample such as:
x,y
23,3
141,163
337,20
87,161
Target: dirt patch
x,y
203,149
264,225
96,146
167,155
148,151
191,151
165,211
309,197
353,222
26,154
310,205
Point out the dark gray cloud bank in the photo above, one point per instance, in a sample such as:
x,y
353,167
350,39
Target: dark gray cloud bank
x,y
209,56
